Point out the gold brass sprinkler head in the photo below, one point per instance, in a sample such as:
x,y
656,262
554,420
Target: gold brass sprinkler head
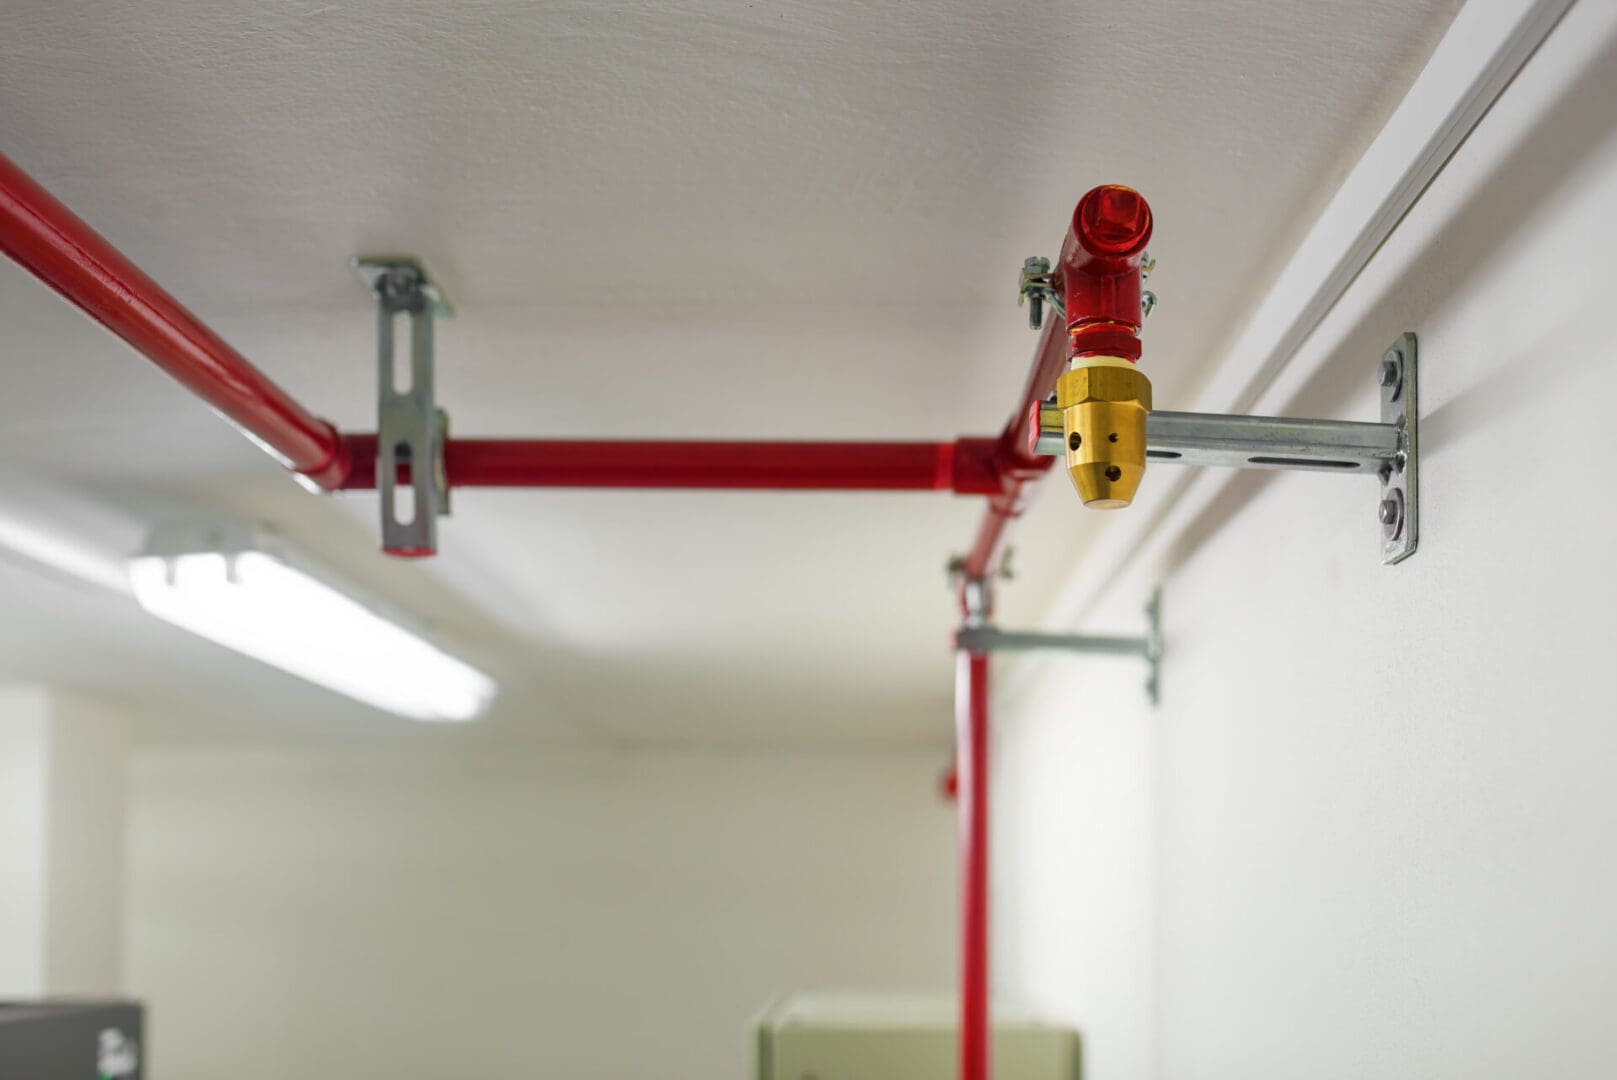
x,y
1104,401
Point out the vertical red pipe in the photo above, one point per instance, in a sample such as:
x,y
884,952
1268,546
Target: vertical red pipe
x,y
971,765
1100,271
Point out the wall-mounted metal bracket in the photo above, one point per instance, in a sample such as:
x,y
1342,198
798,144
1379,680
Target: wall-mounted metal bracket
x,y
411,429
1398,511
1386,450
985,638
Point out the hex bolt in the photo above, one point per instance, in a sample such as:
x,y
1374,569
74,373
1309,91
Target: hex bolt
x,y
1391,514
1034,267
1390,375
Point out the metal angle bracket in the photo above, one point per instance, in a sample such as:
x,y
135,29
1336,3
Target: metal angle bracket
x,y
985,638
1387,448
411,430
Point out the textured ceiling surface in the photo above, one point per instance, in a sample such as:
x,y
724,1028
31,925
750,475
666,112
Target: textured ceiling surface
x,y
695,218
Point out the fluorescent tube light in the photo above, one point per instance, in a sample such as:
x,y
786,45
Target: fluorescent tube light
x,y
256,603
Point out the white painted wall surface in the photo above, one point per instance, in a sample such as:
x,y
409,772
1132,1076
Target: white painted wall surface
x,y
62,825
385,914
87,810
1369,832
24,716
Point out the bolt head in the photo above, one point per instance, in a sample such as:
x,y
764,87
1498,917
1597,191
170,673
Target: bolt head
x,y
1387,373
1391,513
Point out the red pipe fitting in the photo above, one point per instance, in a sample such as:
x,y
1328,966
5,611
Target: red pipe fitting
x,y
1100,271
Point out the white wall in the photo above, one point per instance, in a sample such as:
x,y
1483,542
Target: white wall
x,y
380,913
85,865
24,715
63,762
1370,831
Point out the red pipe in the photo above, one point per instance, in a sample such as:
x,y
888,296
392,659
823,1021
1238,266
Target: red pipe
x,y
965,466
1017,465
1100,284
57,247
971,766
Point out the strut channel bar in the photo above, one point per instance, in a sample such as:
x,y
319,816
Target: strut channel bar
x,y
1253,442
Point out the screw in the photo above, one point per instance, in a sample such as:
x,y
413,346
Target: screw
x,y
1389,512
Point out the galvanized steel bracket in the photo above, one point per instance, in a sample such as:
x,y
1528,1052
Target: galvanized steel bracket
x,y
1387,449
411,429
985,638
1398,511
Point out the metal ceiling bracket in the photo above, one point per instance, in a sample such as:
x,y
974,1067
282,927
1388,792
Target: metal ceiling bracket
x,y
1387,449
985,638
411,429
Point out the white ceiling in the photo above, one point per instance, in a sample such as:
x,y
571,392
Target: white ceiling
x,y
712,218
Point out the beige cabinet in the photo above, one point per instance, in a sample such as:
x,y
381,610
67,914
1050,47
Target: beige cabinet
x,y
834,1036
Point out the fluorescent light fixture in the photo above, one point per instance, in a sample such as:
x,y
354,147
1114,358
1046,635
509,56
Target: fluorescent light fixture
x,y
246,597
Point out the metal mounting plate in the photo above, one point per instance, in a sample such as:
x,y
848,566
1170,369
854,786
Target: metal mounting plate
x,y
371,269
1398,511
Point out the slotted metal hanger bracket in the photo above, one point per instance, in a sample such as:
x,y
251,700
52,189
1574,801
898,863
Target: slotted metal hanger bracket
x,y
1387,449
411,429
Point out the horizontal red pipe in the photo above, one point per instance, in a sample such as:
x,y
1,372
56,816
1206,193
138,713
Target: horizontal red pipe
x,y
965,466
56,246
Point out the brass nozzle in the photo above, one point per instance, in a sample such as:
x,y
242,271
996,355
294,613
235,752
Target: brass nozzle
x,y
1103,405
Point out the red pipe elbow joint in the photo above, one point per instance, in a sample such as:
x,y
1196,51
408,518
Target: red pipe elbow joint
x,y
1100,271
1103,398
